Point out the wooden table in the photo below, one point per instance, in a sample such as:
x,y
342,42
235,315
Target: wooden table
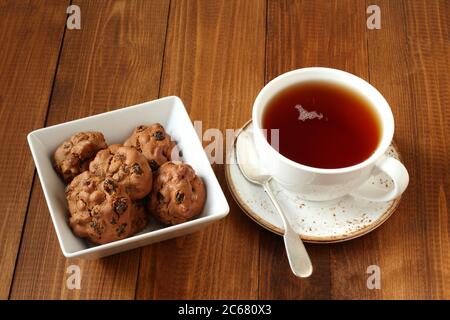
x,y
217,55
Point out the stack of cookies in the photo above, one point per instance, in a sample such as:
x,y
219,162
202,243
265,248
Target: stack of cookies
x,y
111,189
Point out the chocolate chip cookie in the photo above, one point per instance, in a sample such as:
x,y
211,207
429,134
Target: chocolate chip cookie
x,y
101,210
74,155
154,143
178,194
125,166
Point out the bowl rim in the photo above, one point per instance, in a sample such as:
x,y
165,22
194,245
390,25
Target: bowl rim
x,y
33,138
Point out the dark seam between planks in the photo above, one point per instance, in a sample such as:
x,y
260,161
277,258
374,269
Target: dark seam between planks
x,y
266,27
34,172
164,50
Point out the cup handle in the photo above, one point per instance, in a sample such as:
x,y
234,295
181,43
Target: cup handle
x,y
394,169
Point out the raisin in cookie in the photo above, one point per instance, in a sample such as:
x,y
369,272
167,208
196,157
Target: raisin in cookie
x,y
73,156
101,210
178,194
154,143
127,167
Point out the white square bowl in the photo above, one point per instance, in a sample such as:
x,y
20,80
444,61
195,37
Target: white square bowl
x,y
116,126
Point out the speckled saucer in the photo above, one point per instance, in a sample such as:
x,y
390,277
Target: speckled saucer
x,y
316,222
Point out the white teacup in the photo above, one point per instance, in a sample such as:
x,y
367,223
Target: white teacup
x,y
317,184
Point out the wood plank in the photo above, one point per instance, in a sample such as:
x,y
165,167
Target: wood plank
x,y
401,264
30,38
115,60
428,28
328,34
410,61
214,60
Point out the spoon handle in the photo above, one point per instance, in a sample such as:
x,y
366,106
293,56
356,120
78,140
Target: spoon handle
x,y
297,255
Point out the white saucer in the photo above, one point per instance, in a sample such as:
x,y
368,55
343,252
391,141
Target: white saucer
x,y
316,222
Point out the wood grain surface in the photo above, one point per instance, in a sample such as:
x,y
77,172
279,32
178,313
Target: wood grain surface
x,y
214,61
30,38
217,55
115,60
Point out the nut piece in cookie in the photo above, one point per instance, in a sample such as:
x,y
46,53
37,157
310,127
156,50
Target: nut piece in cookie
x,y
73,156
178,194
125,166
101,211
154,143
